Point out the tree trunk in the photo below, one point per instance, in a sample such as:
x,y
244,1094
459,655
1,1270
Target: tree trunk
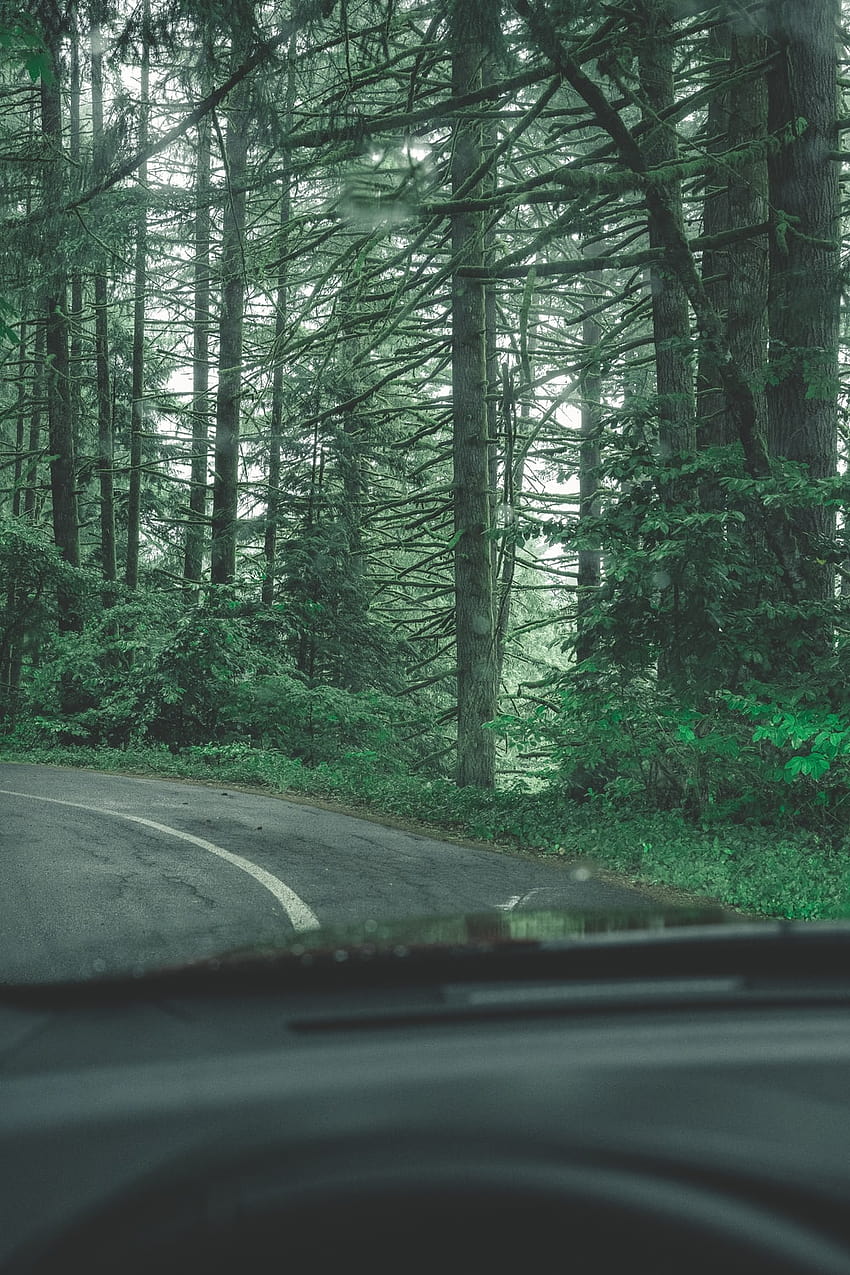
x,y
747,260
489,141
276,423
473,574
62,475
20,422
193,561
514,463
804,277
137,391
76,278
670,314
712,423
31,502
105,459
589,556
671,326
735,276
281,319
226,481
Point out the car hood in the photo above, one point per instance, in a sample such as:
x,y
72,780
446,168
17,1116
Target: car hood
x,y
477,931
567,944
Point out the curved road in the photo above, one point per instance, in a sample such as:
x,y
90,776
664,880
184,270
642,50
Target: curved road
x,y
104,873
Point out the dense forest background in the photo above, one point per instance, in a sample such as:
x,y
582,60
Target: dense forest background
x,y
439,402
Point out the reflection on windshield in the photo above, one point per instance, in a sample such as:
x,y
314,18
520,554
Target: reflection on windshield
x,y
426,411
485,930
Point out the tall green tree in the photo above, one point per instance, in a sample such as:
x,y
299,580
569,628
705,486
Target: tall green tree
x,y
805,284
196,522
225,497
105,451
55,305
472,35
140,278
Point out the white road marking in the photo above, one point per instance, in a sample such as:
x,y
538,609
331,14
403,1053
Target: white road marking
x,y
300,915
509,904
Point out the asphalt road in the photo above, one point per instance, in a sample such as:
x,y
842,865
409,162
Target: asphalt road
x,y
105,873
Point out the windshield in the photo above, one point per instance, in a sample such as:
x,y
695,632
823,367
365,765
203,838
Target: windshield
x,y
424,491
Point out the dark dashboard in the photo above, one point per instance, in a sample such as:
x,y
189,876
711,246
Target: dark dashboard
x,y
691,1122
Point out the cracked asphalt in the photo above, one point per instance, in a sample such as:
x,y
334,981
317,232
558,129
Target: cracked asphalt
x,y
86,892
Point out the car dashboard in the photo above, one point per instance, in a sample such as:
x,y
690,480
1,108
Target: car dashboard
x,y
451,1122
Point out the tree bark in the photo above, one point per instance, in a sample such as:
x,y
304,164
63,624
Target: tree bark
x,y
473,575
670,315
20,421
105,458
281,320
193,559
747,259
276,422
735,276
31,486
712,422
225,510
137,391
513,476
76,277
671,325
804,273
589,556
62,470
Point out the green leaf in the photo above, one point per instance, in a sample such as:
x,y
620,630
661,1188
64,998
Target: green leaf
x,y
792,768
815,765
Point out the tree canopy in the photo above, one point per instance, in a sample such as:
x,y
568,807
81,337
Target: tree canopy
x,y
450,386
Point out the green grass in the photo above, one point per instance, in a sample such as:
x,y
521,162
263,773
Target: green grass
x,y
755,870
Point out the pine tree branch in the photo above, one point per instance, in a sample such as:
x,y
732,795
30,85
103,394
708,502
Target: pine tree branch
x,y
679,258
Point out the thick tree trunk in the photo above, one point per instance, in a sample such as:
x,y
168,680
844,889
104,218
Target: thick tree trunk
x,y
62,489
747,259
589,557
31,501
62,472
276,422
225,511
281,320
473,571
305,658
804,274
137,391
20,422
671,326
105,459
489,141
670,315
193,560
712,423
76,277
735,276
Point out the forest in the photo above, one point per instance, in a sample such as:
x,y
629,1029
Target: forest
x,y
439,405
